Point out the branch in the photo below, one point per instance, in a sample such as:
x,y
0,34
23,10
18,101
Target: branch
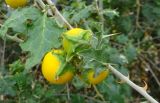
x,y
138,12
133,85
2,60
42,5
150,69
54,9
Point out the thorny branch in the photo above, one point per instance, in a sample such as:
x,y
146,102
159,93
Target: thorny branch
x,y
138,5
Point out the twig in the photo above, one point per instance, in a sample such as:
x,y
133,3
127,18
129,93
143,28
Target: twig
x,y
144,41
148,67
153,64
42,5
106,36
68,93
99,7
98,93
82,95
54,9
153,74
138,12
133,85
3,53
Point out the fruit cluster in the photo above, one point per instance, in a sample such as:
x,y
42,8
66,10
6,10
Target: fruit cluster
x,y
57,65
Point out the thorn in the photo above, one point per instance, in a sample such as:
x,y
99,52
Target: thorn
x,y
146,86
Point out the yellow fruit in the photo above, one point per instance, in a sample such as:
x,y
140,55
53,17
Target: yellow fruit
x,y
74,32
68,45
97,79
50,66
16,3
71,38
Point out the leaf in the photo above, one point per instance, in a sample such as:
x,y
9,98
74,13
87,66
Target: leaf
x,y
130,52
18,18
43,36
115,92
93,58
125,23
6,86
16,67
122,39
82,14
77,99
110,13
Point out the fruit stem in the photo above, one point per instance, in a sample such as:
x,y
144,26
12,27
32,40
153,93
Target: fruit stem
x,y
98,93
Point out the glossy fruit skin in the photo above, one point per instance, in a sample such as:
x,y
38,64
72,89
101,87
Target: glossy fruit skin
x,y
68,45
98,79
16,3
50,66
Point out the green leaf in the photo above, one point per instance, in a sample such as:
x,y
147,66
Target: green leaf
x,y
130,52
16,67
77,99
114,92
43,36
95,58
78,83
82,14
122,39
110,13
6,86
125,23
18,18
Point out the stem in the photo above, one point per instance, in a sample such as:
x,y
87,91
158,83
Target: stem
x,y
150,69
42,5
98,93
68,93
138,12
85,96
133,85
3,54
99,7
54,9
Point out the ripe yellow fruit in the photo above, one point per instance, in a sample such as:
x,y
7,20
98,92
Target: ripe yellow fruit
x,y
75,37
50,66
68,45
97,79
16,3
74,32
